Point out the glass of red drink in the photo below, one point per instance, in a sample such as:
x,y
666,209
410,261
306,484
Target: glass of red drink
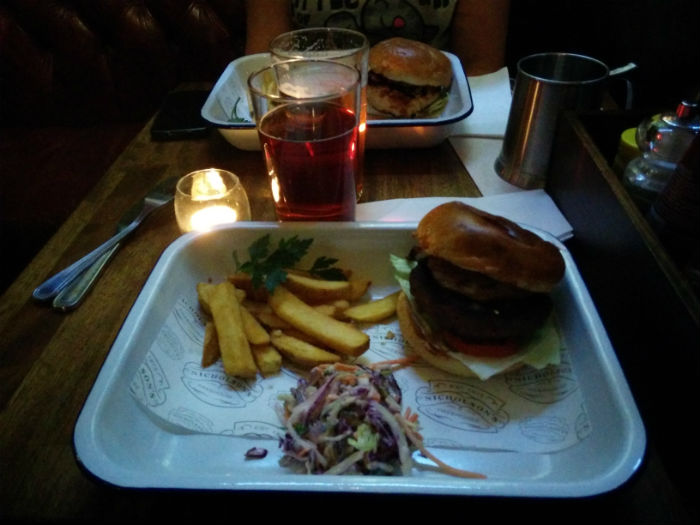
x,y
331,43
307,114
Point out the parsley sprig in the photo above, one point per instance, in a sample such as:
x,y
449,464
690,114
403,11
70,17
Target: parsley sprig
x,y
269,268
234,113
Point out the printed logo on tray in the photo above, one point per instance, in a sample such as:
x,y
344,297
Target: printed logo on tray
x,y
548,429
546,386
214,387
462,406
255,430
150,383
191,419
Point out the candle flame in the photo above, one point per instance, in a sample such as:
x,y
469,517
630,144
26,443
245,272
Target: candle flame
x,y
208,185
205,219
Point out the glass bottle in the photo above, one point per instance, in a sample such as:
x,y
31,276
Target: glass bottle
x,y
675,214
662,142
627,151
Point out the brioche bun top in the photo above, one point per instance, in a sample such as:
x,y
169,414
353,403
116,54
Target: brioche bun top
x,y
491,245
403,60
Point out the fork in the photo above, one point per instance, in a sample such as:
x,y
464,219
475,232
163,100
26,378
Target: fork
x,y
55,284
74,292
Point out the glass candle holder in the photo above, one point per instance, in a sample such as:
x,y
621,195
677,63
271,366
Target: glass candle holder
x,y
209,197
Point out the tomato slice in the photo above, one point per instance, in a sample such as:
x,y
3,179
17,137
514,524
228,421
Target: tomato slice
x,y
502,349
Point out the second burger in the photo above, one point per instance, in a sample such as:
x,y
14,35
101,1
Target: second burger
x,y
407,78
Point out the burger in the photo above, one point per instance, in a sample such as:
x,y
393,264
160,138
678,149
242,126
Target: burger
x,y
476,295
407,78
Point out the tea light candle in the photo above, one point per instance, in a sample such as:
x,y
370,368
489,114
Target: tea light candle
x,y
206,198
204,219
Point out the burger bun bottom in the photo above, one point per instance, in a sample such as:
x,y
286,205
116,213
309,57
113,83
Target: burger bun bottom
x,y
417,344
384,101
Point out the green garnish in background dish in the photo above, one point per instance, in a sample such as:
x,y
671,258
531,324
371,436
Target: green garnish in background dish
x,y
234,113
269,268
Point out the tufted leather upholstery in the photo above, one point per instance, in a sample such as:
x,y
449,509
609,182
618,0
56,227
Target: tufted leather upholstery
x,y
78,61
78,78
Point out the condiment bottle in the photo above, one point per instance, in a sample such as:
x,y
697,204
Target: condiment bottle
x,y
627,150
675,214
662,142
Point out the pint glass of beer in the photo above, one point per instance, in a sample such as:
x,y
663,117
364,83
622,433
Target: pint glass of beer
x,y
307,114
330,43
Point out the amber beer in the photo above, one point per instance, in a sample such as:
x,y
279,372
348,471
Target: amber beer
x,y
342,45
311,155
307,115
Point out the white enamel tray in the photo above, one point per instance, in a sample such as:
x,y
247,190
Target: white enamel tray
x,y
228,102
118,442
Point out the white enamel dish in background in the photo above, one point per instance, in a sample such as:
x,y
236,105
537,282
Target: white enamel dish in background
x,y
118,442
229,98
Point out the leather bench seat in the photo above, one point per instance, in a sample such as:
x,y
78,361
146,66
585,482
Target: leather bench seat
x,y
78,80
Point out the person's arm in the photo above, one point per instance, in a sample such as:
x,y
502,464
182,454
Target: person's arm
x,y
479,29
265,19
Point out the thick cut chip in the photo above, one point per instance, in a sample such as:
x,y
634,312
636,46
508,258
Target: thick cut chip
x,y
336,335
301,352
315,291
268,359
233,343
374,311
210,349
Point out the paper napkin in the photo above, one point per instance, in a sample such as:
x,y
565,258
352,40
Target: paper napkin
x,y
530,208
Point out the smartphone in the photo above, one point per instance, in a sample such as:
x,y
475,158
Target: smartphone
x,y
180,116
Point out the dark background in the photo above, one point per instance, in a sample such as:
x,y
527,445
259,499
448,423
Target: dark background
x,y
661,36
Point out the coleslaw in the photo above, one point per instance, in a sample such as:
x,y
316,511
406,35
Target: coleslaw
x,y
347,419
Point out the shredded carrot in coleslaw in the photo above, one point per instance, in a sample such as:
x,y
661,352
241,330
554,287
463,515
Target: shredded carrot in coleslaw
x,y
347,418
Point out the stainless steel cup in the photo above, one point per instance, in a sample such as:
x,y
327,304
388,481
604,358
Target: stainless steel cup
x,y
545,85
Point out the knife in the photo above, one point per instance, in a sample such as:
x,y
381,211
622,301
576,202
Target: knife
x,y
69,293
73,294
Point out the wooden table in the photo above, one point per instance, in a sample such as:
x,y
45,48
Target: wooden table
x,y
49,361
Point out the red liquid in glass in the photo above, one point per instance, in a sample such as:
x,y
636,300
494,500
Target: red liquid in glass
x,y
311,155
